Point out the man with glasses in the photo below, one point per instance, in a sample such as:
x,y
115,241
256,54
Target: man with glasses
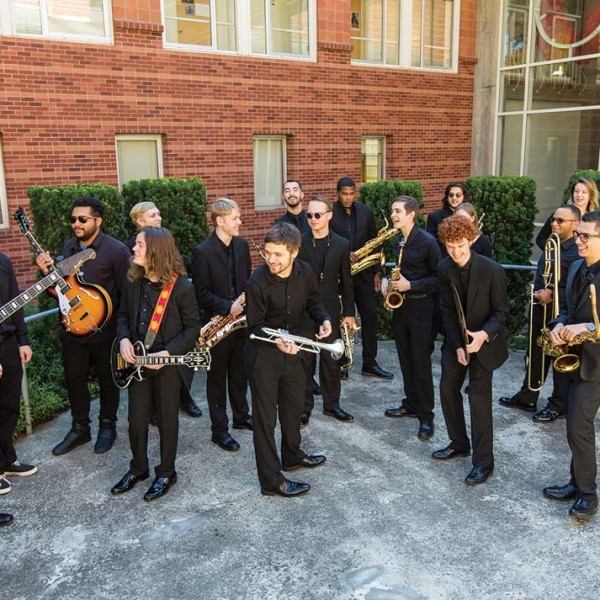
x,y
564,222
329,256
581,389
107,270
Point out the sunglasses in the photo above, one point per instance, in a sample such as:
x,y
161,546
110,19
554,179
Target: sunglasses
x,y
560,220
584,238
82,220
316,216
459,195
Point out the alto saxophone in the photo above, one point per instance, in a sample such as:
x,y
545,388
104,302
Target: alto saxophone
x,y
394,299
220,326
366,255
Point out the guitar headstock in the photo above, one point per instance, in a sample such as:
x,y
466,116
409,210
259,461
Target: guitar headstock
x,y
22,219
199,359
70,266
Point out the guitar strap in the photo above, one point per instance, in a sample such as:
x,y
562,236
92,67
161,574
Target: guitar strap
x,y
159,313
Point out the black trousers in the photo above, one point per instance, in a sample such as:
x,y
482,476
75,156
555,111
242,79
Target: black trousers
x,y
329,372
583,401
78,359
411,328
277,383
366,304
10,399
227,375
525,395
480,403
161,390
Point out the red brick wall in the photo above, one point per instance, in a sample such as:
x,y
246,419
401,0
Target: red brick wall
x,y
61,104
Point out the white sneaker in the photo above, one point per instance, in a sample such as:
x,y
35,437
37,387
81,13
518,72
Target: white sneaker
x,y
5,486
19,470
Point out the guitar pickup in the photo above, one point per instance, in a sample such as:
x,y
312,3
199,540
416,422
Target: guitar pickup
x,y
75,301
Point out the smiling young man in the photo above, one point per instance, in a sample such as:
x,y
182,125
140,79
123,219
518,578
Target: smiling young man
x,y
294,215
277,295
475,286
582,386
107,270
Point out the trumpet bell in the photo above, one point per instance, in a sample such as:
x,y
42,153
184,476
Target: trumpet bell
x,y
336,349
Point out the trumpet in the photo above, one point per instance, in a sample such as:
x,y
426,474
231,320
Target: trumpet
x,y
366,257
336,349
348,334
394,299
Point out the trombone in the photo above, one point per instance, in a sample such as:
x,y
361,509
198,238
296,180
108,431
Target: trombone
x,y
272,335
551,278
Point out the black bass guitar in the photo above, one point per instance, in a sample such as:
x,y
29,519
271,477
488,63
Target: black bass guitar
x,y
85,308
124,372
65,268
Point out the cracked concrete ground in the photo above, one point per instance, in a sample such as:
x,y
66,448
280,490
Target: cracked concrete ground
x,y
382,521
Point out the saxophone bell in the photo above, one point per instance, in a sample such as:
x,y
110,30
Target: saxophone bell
x,y
395,299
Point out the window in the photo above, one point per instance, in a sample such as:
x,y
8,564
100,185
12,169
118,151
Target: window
x,y
372,151
416,33
3,199
284,28
139,157
87,20
269,170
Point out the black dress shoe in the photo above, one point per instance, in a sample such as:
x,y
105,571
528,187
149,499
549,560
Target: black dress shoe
x,y
560,492
448,452
225,442
584,508
339,414
287,489
343,374
107,434
160,486
6,519
190,408
304,419
377,371
79,434
478,475
247,423
316,388
128,482
547,415
513,402
426,430
308,462
401,411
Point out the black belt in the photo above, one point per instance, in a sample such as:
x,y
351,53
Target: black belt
x,y
415,296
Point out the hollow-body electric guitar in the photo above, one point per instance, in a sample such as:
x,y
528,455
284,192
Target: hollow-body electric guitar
x,y
66,267
124,372
84,307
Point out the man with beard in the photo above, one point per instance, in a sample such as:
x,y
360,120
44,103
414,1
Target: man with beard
x,y
292,196
107,270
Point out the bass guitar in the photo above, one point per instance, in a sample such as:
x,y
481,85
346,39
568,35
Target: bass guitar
x,y
124,372
84,308
66,267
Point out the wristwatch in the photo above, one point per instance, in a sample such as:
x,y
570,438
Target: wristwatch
x,y
591,327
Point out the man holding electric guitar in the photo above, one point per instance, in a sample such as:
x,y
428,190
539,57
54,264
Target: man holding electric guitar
x,y
89,323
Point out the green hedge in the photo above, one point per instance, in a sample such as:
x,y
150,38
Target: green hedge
x,y
587,174
182,205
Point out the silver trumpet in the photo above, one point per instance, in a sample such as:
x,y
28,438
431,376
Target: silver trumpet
x,y
336,349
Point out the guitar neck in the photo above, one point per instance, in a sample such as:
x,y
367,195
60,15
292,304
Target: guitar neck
x,y
146,361
39,250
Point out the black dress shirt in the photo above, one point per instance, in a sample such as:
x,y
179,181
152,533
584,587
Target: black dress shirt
x,y
299,221
149,294
9,289
568,255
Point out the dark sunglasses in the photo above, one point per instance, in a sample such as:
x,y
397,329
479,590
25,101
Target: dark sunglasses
x,y
316,216
82,220
560,220
459,195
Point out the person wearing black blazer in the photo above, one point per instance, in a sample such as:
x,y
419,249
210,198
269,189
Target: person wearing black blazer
x,y
294,215
475,286
329,256
156,267
355,222
581,388
221,266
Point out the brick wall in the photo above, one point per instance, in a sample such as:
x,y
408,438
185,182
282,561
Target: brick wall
x,y
61,105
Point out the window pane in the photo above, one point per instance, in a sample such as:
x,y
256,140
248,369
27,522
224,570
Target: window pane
x,y
137,159
372,159
268,172
76,17
225,13
289,27
436,36
509,145
188,23
392,32
367,30
515,34
512,92
258,26
26,17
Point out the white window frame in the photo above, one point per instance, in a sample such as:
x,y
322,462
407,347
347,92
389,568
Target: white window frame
x,y
382,139
283,140
3,198
7,28
127,137
244,34
405,41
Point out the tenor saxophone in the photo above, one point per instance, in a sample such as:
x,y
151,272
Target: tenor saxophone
x,y
366,255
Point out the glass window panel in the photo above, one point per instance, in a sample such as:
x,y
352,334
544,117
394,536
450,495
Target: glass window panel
x,y
372,149
258,26
289,27
437,33
225,14
392,33
417,25
76,17
367,38
26,17
137,159
509,145
515,33
512,91
269,174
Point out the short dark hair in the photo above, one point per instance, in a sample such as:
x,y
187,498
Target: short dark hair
x,y
574,210
94,204
411,205
345,182
292,181
284,233
592,217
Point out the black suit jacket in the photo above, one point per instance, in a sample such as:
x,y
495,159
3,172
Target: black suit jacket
x,y
486,307
337,279
365,231
210,278
435,218
179,328
300,221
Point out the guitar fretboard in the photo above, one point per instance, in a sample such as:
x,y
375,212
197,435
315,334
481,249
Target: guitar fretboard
x,y
28,295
